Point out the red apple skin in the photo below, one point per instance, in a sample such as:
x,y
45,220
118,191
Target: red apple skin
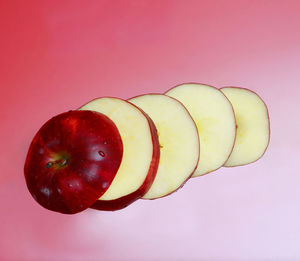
x,y
72,160
120,203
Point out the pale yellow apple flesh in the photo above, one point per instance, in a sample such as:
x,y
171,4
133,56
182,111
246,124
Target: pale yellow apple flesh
x,y
178,139
215,121
252,119
137,144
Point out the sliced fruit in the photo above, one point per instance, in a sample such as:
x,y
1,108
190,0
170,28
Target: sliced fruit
x,y
65,169
253,126
178,139
140,152
215,121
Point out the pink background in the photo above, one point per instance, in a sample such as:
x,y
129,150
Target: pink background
x,y
57,55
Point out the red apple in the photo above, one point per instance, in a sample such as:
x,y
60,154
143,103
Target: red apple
x,y
141,152
72,160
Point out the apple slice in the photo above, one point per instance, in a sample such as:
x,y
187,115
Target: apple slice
x,y
253,126
140,152
215,121
178,139
65,168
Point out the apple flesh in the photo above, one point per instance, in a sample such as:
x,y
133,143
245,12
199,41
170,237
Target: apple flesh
x,y
253,126
140,156
73,160
178,139
215,121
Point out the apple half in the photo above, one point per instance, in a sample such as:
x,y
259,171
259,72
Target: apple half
x,y
72,160
178,139
140,152
215,121
253,126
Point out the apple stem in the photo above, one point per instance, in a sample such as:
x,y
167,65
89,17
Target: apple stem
x,y
58,163
49,165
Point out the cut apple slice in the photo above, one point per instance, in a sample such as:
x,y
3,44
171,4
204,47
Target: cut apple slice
x,y
215,121
140,152
178,139
253,126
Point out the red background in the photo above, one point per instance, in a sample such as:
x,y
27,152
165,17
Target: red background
x,y
57,55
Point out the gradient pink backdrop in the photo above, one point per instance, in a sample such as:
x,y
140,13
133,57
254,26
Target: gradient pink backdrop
x,y
57,55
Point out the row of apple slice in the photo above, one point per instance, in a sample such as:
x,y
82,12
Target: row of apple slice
x,y
112,152
192,130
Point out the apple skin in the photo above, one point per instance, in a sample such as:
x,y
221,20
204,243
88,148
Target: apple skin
x,y
237,126
120,203
72,160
